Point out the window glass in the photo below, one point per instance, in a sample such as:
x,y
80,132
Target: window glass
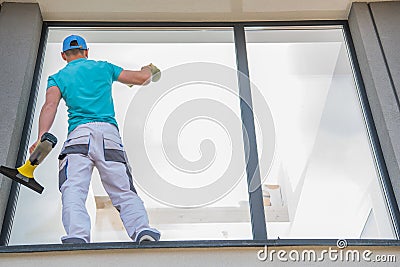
x,y
186,127
322,182
184,137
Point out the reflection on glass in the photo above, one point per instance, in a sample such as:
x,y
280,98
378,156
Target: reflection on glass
x,y
227,215
323,182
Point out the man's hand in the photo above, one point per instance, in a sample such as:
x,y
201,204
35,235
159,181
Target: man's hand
x,y
32,148
155,72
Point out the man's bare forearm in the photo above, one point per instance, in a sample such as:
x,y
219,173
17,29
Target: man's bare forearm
x,y
49,110
46,118
133,77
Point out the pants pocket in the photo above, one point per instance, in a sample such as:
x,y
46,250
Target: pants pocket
x,y
114,151
75,145
113,148
62,172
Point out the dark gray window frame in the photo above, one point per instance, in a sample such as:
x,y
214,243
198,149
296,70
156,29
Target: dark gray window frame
x,y
255,198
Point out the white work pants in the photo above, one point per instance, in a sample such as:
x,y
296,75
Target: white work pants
x,y
97,145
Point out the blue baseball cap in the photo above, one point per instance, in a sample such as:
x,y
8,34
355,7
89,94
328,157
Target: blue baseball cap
x,y
67,43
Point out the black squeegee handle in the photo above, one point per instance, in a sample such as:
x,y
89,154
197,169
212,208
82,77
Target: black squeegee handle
x,y
46,144
49,137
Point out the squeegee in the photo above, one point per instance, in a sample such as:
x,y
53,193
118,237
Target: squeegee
x,y
24,174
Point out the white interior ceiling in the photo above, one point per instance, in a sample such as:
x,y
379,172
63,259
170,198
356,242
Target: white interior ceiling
x,y
192,10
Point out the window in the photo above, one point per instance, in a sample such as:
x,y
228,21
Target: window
x,y
187,141
323,182
187,198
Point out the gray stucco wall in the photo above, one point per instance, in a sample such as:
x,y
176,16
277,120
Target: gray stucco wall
x,y
387,20
375,29
20,29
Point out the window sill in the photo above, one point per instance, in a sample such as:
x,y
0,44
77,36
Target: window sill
x,y
196,244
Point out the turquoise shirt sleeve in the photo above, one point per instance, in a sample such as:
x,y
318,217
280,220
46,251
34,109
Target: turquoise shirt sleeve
x,y
51,82
115,71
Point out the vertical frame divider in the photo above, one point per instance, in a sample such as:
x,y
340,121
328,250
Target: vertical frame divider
x,y
257,213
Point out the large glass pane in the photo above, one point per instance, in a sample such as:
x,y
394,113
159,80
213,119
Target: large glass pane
x,y
323,182
183,137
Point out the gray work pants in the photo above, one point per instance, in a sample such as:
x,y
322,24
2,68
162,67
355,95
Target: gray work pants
x,y
97,145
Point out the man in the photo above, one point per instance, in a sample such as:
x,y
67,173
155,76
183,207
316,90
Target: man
x,y
93,141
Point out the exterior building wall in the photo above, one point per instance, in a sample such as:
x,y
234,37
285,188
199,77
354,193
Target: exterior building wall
x,y
387,21
20,29
231,256
375,31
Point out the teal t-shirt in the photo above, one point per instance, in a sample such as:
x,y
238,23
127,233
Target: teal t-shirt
x,y
85,86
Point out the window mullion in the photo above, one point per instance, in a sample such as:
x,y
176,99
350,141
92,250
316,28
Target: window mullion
x,y
249,138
